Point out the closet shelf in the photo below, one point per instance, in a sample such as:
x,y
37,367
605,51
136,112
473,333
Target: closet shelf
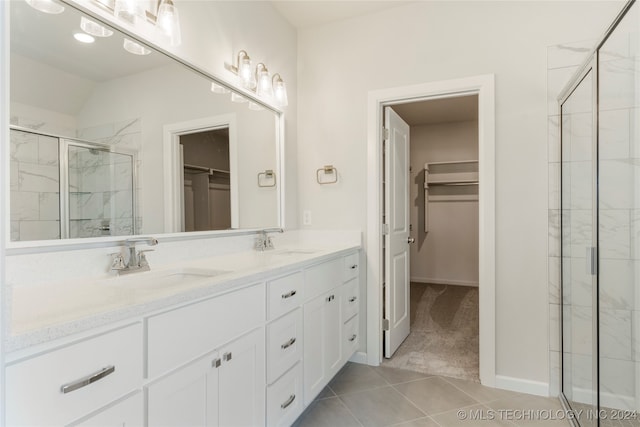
x,y
210,171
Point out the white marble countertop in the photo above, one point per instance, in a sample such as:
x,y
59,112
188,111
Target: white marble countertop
x,y
46,312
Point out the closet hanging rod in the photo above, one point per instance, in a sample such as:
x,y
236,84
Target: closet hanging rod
x,y
460,183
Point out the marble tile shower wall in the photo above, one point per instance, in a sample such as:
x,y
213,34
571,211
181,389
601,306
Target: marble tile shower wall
x,y
34,187
619,224
112,204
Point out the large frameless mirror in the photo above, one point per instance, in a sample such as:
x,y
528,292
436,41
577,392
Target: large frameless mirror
x,y
114,138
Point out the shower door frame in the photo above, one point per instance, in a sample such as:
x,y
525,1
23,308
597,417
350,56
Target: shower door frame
x,y
63,157
591,64
589,67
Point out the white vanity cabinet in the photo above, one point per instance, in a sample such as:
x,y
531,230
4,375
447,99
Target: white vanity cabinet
x,y
330,321
126,413
225,384
71,381
224,388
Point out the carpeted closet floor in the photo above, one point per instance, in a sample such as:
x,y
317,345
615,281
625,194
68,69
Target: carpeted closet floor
x,y
444,332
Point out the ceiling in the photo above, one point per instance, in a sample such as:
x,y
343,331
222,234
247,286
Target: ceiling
x,y
308,13
435,111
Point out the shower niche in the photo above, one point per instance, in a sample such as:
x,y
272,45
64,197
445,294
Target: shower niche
x,y
67,188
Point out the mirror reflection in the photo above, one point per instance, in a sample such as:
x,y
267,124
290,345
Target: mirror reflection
x,y
106,142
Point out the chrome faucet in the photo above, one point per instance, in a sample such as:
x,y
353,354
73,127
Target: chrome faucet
x,y
263,241
137,259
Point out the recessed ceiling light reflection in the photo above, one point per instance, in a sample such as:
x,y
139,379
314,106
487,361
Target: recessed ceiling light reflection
x,y
84,38
94,29
135,48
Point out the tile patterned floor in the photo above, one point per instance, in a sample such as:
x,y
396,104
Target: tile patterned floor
x,y
363,396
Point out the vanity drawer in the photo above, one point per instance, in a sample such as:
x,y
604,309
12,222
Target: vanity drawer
x,y
350,299
65,384
284,294
351,266
284,399
322,278
181,335
284,344
351,337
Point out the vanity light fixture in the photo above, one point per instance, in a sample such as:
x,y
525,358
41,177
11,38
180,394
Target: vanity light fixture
x,y
47,6
168,22
93,28
130,11
279,91
265,87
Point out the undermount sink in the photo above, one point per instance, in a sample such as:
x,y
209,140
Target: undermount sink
x,y
287,252
161,280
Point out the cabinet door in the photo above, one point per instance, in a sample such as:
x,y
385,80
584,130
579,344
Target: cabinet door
x,y
242,381
187,397
322,342
128,413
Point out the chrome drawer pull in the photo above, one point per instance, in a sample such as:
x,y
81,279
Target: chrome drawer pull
x,y
82,382
215,363
227,356
353,337
331,298
288,344
352,299
289,401
289,294
354,266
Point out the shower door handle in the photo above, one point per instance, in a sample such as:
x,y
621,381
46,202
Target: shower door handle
x,y
592,260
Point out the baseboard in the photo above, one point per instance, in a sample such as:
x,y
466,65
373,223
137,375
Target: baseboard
x,y
359,357
522,386
444,281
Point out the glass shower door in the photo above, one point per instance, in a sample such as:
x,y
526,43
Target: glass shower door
x,y
579,279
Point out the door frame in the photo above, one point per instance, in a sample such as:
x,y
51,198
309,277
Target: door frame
x,y
484,87
173,183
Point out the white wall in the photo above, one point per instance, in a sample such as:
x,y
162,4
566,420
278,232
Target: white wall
x,y
421,42
448,253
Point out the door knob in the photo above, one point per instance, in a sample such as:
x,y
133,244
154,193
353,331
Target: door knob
x,y
411,240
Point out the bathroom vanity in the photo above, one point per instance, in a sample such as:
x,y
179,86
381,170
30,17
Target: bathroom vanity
x,y
250,346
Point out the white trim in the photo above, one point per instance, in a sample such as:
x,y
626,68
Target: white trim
x,y
171,154
5,225
484,87
359,357
522,386
437,281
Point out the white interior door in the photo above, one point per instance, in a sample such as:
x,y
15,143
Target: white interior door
x,y
396,242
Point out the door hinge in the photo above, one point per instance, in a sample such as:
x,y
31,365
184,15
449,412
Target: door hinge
x,y
385,132
385,324
385,229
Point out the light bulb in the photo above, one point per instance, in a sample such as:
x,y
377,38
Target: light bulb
x,y
264,88
46,6
245,73
168,22
280,91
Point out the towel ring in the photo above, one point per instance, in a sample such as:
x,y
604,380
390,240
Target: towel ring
x,y
268,174
327,170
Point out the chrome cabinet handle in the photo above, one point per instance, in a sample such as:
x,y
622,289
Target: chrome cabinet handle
x,y
288,344
411,240
289,401
89,379
289,294
331,298
227,356
354,266
352,299
353,337
215,363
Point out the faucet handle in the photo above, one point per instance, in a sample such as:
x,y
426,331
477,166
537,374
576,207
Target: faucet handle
x,y
142,258
117,261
